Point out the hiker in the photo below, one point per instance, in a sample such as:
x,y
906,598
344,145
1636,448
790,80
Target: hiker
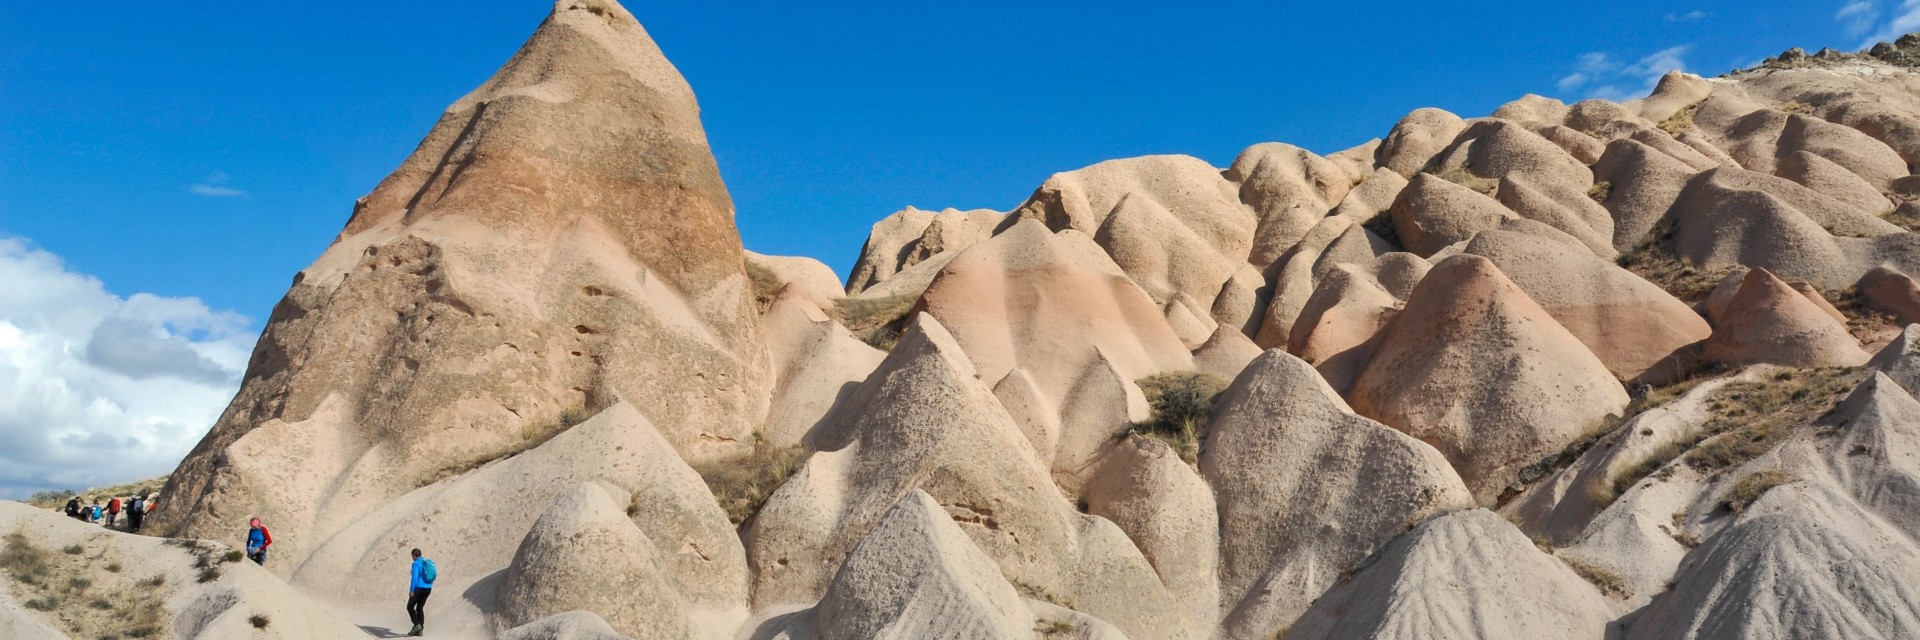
x,y
257,541
73,507
113,511
93,513
424,574
136,510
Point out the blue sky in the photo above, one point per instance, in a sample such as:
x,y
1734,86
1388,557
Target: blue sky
x,y
206,151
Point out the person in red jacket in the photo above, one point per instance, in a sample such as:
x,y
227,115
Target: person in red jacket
x,y
257,541
113,511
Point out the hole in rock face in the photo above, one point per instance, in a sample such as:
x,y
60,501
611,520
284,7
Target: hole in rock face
x,y
592,291
584,329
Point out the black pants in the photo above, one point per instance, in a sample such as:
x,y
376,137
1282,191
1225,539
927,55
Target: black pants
x,y
417,605
133,520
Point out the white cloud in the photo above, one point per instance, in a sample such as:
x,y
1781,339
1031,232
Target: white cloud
x,y
214,186
1689,16
1868,18
97,389
1905,20
1858,16
1603,77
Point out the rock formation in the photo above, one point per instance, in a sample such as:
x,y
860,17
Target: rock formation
x,y
539,352
518,269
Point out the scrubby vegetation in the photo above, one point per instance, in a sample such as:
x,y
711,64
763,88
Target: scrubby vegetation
x,y
1600,191
1681,121
60,587
1864,321
765,283
742,485
1750,418
1181,401
1048,628
1465,177
1609,582
877,321
1754,485
1658,263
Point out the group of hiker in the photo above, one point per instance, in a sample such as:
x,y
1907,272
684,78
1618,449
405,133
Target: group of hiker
x,y
421,573
135,508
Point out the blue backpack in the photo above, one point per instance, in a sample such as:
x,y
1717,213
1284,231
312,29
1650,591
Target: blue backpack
x,y
428,572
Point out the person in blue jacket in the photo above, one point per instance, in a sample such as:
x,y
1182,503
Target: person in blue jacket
x,y
423,573
258,539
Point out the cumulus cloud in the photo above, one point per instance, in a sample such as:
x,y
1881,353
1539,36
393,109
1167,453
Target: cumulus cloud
x,y
97,389
1599,75
215,186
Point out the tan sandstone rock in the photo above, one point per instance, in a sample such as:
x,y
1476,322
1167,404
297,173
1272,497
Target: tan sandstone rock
x,y
1467,574
453,321
1476,368
1307,490
1768,321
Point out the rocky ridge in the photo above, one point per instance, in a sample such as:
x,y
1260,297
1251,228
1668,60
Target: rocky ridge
x,y
1599,370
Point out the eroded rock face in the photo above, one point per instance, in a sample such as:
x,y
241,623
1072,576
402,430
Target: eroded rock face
x,y
1516,591
1799,563
1476,368
517,268
924,420
585,554
1769,322
1307,490
916,575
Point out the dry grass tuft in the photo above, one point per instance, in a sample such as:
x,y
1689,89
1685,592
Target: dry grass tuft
x,y
1657,262
1609,582
1465,177
1750,418
1055,629
1600,191
1681,121
877,321
742,485
1182,402
77,599
766,284
1754,485
259,621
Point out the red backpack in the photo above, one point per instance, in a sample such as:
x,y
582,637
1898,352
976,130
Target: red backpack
x,y
113,506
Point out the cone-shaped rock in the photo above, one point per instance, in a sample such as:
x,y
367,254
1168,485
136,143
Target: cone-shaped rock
x,y
1630,324
1307,490
1054,305
474,524
1801,562
1432,213
1166,509
1476,368
584,554
1769,322
560,238
1463,575
1416,138
924,420
917,575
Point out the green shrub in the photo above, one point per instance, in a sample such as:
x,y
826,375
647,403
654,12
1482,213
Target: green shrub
x,y
879,320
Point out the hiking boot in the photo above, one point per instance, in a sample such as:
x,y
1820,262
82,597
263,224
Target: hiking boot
x,y
417,631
